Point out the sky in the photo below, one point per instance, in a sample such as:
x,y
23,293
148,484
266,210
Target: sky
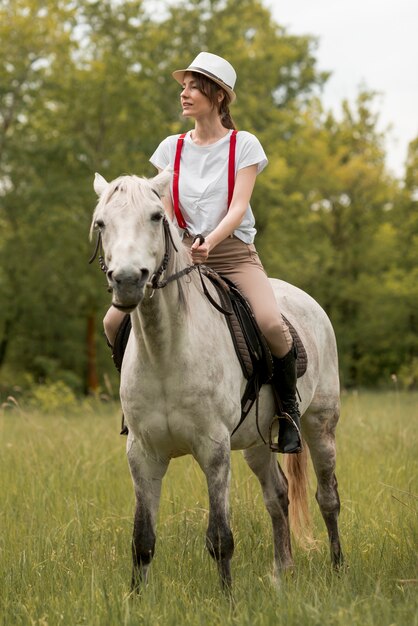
x,y
370,43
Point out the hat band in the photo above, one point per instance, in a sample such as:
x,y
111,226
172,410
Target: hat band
x,y
209,74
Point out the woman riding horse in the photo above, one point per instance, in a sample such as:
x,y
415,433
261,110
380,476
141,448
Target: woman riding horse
x,y
215,168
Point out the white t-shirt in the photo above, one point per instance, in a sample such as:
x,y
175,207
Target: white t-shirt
x,y
203,180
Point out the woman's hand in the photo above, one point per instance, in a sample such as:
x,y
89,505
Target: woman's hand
x,y
200,251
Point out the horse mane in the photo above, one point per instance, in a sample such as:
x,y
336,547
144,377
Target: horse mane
x,y
132,185
178,261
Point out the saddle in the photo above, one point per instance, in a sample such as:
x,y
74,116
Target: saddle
x,y
250,345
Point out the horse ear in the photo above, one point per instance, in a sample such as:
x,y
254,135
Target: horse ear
x,y
100,184
160,182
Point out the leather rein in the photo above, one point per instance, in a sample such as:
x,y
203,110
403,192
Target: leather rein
x,y
156,281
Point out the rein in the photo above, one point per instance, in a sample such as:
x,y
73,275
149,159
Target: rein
x,y
156,283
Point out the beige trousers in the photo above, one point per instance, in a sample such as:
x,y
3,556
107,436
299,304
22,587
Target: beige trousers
x,y
240,262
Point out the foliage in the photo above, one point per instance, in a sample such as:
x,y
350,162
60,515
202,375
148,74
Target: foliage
x,y
86,86
53,397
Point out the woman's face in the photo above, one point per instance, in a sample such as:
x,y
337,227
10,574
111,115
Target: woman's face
x,y
194,103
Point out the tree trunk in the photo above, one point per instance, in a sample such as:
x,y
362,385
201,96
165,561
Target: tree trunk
x,y
92,380
5,340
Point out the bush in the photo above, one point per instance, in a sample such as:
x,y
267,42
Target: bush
x,y
408,375
53,396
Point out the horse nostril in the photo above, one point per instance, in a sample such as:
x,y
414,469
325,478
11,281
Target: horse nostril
x,y
114,278
144,274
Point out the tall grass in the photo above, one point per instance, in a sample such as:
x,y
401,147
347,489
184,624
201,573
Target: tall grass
x,y
66,507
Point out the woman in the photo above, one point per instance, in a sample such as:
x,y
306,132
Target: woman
x,y
215,169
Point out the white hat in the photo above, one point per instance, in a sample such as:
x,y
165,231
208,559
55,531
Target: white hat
x,y
216,68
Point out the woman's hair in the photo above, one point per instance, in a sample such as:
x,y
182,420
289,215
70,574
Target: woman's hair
x,y
210,89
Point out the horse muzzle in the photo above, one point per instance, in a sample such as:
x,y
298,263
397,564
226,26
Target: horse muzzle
x,y
127,287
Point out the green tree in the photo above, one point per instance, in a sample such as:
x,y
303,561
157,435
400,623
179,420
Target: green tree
x,y
328,219
86,86
34,41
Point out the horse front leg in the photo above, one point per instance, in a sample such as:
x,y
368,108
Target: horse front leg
x,y
147,475
215,462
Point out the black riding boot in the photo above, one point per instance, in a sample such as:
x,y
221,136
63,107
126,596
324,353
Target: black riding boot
x,y
284,383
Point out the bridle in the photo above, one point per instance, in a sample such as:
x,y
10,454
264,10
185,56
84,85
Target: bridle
x,y
156,281
99,248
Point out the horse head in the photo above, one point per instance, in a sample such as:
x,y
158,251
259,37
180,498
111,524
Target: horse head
x,y
129,220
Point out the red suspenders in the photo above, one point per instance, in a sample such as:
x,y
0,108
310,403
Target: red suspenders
x,y
231,165
179,216
231,175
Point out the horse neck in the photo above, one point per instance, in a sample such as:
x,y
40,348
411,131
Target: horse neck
x,y
162,322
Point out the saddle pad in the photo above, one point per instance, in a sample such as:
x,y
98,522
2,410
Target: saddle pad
x,y
250,344
302,357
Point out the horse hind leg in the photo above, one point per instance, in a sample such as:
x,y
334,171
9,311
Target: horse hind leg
x,y
319,432
147,475
275,493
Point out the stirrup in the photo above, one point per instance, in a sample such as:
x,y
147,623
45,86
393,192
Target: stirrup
x,y
274,446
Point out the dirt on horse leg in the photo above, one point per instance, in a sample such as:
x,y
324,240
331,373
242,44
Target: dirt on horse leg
x,y
147,475
320,434
215,463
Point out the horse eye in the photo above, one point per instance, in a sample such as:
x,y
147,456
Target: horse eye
x,y
99,224
156,217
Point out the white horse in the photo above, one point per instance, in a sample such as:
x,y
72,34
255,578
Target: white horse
x,y
181,381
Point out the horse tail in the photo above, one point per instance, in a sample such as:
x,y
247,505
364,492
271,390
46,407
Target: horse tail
x,y
296,469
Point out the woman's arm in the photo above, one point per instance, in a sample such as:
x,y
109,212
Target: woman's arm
x,y
244,185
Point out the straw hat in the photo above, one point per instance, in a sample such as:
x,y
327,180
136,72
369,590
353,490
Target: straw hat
x,y
214,67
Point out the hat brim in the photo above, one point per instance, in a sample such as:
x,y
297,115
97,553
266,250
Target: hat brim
x,y
178,75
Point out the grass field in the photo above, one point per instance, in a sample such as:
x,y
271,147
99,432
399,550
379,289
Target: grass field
x,y
66,506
